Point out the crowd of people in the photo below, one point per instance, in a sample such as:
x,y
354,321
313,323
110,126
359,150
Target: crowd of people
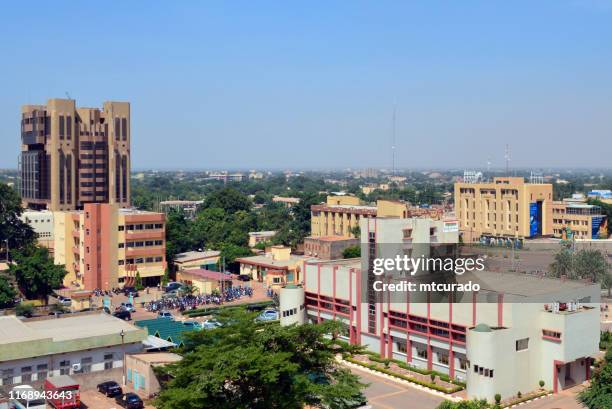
x,y
186,302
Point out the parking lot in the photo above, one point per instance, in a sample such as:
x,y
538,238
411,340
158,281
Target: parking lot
x,y
92,399
386,394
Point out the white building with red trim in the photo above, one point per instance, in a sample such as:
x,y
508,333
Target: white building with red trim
x,y
503,339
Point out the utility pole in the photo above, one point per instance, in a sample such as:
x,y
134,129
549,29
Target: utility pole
x,y
507,157
393,143
7,250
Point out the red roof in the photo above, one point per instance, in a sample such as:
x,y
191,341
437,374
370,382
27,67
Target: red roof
x,y
210,275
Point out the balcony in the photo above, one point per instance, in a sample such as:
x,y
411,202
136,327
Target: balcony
x,y
144,234
145,251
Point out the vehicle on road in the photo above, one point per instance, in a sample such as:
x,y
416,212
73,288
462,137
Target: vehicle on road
x,y
165,314
173,285
268,315
127,291
192,324
63,392
26,397
123,314
110,388
130,401
211,324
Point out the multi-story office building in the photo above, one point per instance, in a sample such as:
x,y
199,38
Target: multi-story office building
x,y
574,219
104,246
506,208
71,156
512,333
341,214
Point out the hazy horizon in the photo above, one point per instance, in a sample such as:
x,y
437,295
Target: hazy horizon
x,y
313,86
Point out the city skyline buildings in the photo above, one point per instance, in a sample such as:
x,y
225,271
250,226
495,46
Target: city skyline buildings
x,y
289,87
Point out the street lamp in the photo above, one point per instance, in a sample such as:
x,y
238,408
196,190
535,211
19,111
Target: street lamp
x,y
122,334
7,250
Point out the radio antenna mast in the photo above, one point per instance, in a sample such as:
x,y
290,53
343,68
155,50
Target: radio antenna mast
x,y
393,142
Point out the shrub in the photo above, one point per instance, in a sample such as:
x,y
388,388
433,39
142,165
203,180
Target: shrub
x,y
541,383
519,394
24,309
497,398
433,377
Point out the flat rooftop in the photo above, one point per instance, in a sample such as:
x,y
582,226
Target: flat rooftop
x,y
158,357
195,255
93,325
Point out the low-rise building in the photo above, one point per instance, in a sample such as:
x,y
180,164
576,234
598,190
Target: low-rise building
x,y
276,268
256,237
140,374
33,349
104,246
205,281
341,214
328,247
515,331
41,221
188,207
208,260
575,219
287,201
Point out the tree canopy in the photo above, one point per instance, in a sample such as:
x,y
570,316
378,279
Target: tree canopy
x,y
241,365
599,394
18,233
36,274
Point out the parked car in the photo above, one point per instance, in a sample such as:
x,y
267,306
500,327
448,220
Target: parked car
x,y
130,401
210,324
268,315
130,291
192,324
165,315
65,301
110,388
127,306
244,277
173,285
123,314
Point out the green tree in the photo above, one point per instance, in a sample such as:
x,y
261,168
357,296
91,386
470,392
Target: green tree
x,y
138,281
592,264
228,199
230,252
178,237
356,231
563,264
351,252
599,394
240,366
36,274
7,293
18,233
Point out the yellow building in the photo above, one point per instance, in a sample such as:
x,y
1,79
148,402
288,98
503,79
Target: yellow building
x,y
103,246
506,208
340,215
576,219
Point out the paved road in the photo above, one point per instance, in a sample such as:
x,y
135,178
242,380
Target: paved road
x,y
564,400
386,394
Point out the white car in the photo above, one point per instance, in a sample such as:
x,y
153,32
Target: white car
x,y
165,315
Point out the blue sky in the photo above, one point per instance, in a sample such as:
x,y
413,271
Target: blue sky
x,y
313,84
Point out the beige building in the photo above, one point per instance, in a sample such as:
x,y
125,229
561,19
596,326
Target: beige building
x,y
328,247
340,215
576,219
105,247
140,374
71,156
275,268
506,208
190,260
